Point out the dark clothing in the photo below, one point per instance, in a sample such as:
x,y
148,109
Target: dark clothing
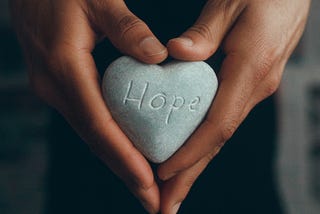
x,y
239,180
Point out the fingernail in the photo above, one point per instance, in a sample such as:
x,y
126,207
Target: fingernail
x,y
151,46
175,208
184,41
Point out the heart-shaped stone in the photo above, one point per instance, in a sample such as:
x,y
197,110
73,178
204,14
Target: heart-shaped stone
x,y
158,107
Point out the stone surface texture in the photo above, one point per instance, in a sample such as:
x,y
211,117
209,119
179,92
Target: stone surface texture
x,y
158,107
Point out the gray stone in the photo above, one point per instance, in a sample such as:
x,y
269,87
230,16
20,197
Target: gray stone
x,y
158,107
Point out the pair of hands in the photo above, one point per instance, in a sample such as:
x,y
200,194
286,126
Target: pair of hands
x,y
58,37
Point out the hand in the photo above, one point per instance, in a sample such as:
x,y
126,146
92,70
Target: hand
x,y
58,38
257,38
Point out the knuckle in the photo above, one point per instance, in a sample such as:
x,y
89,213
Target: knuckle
x,y
263,67
213,144
218,148
227,128
189,180
138,186
262,70
273,83
127,23
227,7
267,57
208,158
203,30
98,13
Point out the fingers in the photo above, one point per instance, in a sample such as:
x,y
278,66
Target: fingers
x,y
201,40
250,72
126,31
81,103
222,120
257,49
175,190
68,80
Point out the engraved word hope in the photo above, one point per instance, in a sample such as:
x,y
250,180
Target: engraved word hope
x,y
160,101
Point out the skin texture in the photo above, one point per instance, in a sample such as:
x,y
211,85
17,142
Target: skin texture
x,y
58,37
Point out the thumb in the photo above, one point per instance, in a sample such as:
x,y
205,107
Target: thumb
x,y
201,40
126,31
